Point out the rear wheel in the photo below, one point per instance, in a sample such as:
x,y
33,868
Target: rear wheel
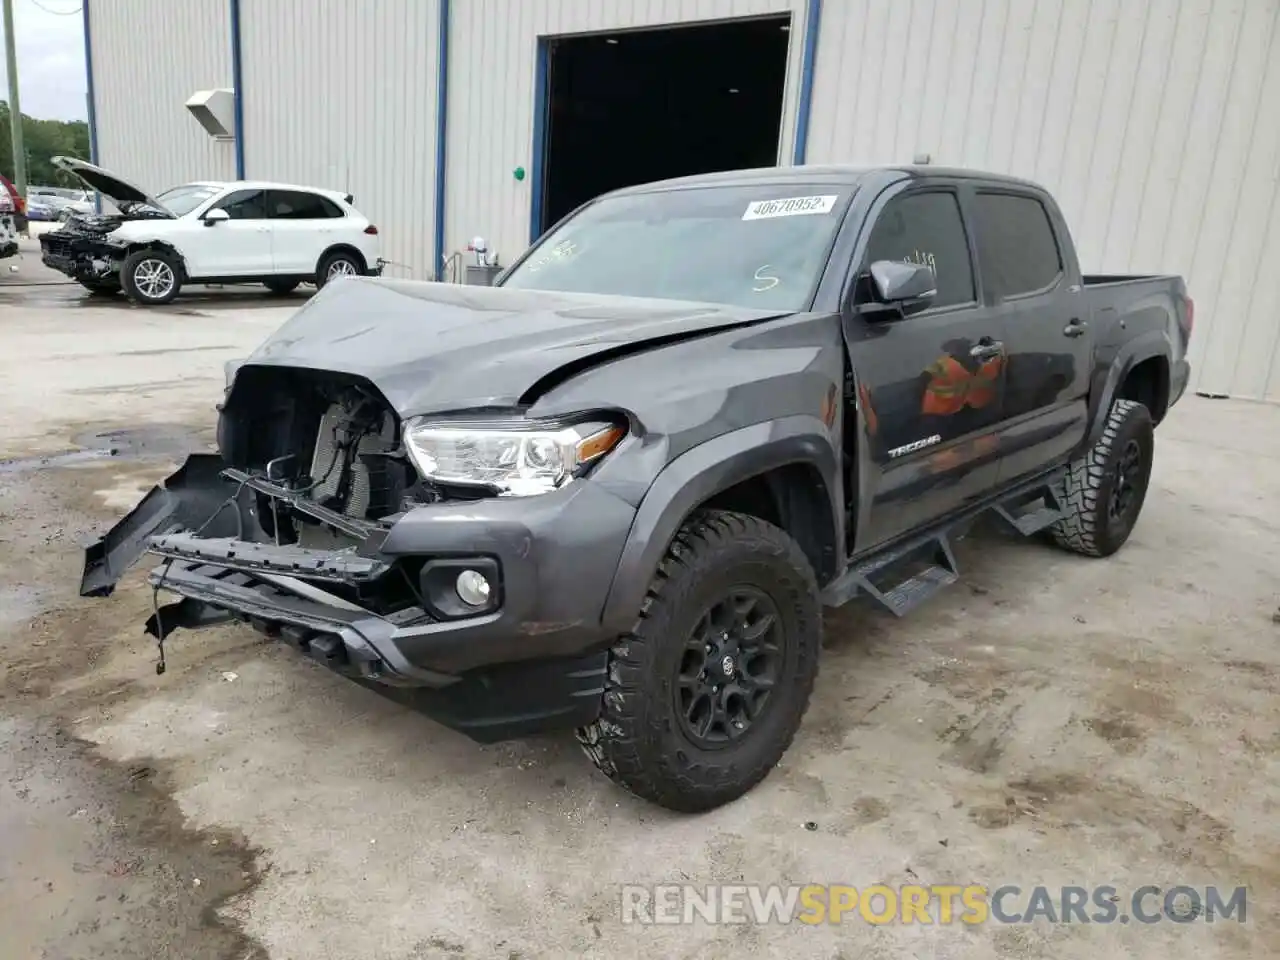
x,y
281,287
338,265
707,691
151,277
1105,489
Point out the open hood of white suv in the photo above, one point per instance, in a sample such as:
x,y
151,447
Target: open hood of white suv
x,y
120,192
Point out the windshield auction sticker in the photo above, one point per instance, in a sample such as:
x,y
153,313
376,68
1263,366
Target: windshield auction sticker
x,y
790,207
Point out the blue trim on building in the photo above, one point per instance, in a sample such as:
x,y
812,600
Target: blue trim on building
x,y
442,128
541,111
88,78
237,81
91,103
812,24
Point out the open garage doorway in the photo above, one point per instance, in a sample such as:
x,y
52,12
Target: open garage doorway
x,y
642,105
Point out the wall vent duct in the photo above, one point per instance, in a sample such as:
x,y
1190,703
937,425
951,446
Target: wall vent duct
x,y
215,110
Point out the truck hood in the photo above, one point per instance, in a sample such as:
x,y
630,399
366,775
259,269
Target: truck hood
x,y
119,191
435,347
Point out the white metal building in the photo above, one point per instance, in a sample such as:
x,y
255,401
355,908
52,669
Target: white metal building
x,y
1156,122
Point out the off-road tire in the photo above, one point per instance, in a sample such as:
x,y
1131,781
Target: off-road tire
x,y
326,266
638,740
281,288
1087,527
129,281
101,288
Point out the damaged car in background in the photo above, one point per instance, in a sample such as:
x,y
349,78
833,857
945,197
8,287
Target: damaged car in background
x,y
566,503
279,235
12,221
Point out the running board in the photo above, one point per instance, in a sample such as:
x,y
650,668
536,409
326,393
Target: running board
x,y
1031,517
1028,509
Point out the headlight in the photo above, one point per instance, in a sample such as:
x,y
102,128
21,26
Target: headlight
x,y
519,459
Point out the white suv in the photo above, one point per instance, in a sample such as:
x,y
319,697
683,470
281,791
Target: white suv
x,y
277,234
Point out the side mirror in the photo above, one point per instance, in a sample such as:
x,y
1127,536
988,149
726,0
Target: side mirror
x,y
215,217
908,286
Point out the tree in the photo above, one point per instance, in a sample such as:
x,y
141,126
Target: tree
x,y
44,140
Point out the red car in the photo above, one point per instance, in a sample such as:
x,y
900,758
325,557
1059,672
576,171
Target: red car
x,y
16,205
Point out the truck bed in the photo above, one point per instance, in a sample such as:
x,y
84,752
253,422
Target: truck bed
x,y
1103,279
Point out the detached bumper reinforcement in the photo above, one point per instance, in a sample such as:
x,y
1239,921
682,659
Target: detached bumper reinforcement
x,y
368,641
336,566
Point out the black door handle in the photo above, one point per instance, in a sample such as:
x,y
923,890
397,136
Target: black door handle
x,y
986,349
1075,328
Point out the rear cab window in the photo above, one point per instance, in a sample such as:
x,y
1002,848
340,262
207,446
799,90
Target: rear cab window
x,y
298,205
1017,247
761,245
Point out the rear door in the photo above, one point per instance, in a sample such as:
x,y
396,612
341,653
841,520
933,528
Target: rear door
x,y
304,224
931,384
237,247
1032,283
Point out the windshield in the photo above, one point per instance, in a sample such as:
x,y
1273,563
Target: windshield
x,y
761,246
182,200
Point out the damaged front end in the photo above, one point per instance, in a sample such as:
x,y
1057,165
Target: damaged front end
x,y
84,249
313,526
283,527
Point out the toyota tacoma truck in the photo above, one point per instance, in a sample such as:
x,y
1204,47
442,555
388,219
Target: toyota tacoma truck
x,y
613,492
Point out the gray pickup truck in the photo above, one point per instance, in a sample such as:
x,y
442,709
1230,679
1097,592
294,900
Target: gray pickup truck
x,y
613,492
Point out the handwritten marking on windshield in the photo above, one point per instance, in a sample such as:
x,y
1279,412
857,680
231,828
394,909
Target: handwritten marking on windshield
x,y
561,251
766,281
790,207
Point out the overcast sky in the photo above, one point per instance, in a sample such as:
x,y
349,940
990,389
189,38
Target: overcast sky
x,y
51,78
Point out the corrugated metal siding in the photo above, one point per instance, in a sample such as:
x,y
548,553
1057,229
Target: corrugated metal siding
x,y
342,95
1156,124
492,54
149,57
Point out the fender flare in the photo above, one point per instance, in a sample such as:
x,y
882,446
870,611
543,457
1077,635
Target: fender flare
x,y
1129,355
164,246
699,474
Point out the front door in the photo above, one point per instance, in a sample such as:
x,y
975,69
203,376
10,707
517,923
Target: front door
x,y
237,247
930,385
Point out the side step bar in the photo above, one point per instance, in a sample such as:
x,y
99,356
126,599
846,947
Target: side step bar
x,y
1027,509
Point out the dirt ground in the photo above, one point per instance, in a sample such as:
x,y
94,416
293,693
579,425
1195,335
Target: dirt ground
x,y
1048,721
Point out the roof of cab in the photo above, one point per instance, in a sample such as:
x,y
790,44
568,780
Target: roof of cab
x,y
828,173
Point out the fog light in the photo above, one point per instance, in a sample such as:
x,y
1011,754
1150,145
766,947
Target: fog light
x,y
473,588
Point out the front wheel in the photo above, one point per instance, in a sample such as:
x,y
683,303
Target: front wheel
x,y
706,693
151,277
1105,489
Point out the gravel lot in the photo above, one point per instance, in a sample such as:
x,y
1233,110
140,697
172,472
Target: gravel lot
x,y
1050,720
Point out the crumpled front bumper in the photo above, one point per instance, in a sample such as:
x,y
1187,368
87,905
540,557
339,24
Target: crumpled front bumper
x,y
535,661
80,257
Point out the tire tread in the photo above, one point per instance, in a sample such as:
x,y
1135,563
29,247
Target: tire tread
x,y
1078,530
614,742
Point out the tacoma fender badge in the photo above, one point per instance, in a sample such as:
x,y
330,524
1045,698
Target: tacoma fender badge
x,y
914,446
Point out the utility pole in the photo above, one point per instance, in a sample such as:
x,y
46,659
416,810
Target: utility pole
x,y
15,108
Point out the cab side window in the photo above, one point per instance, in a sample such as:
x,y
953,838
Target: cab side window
x,y
245,205
927,228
